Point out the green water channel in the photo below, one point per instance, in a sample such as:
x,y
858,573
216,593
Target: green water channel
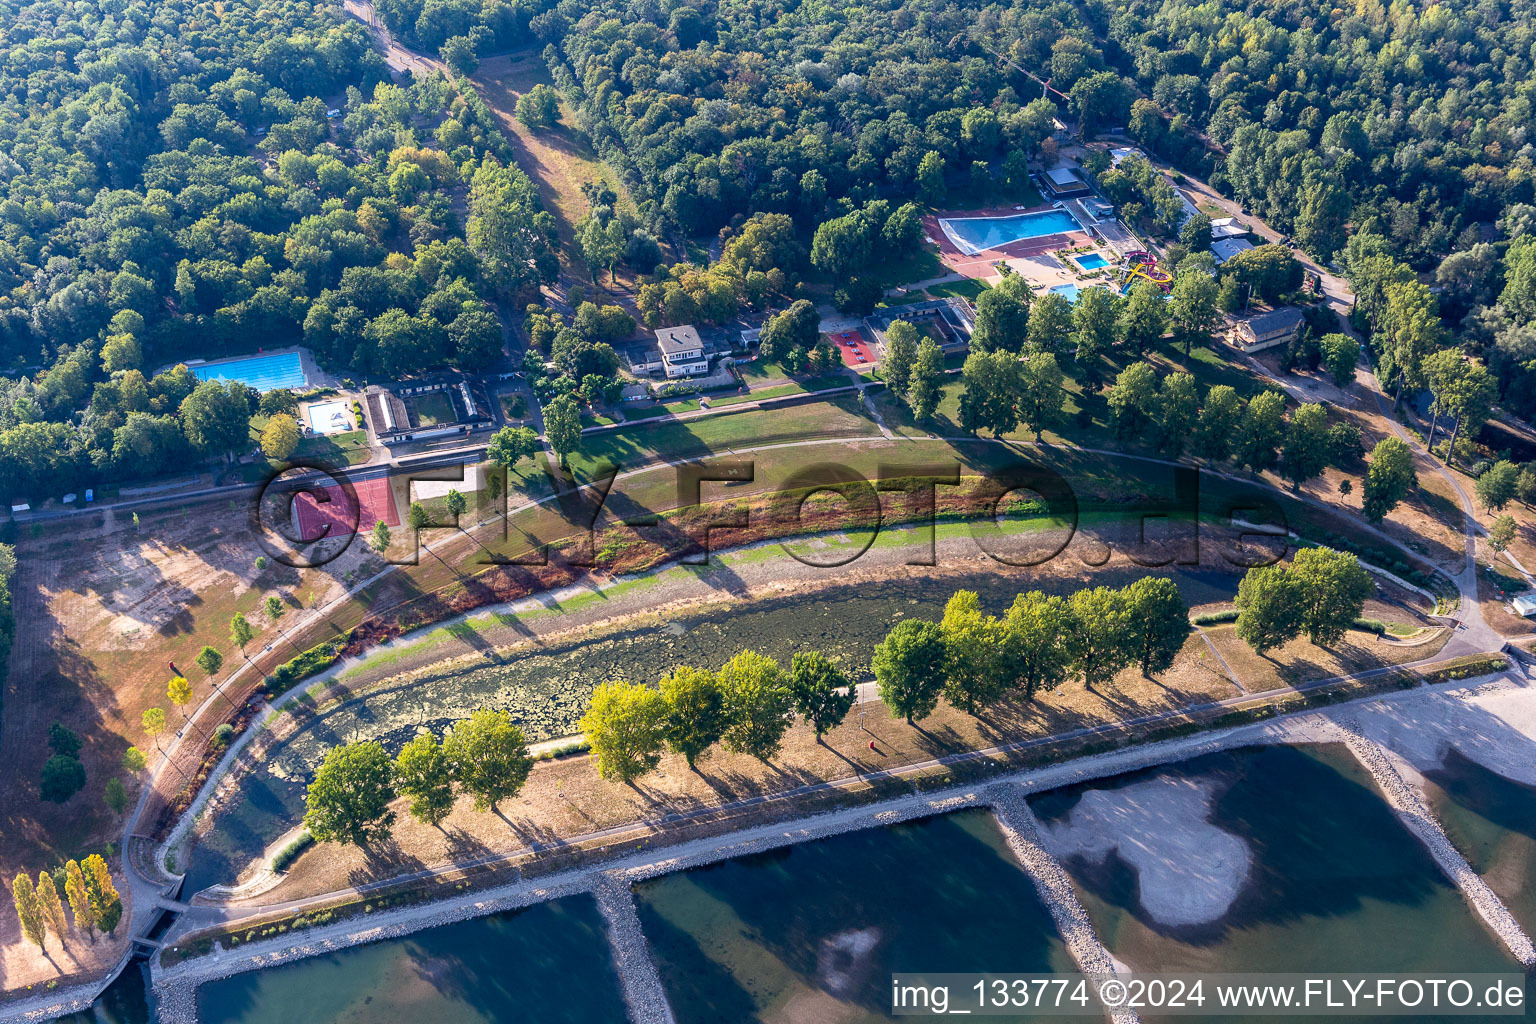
x,y
547,690
549,963
1492,821
1336,882
811,934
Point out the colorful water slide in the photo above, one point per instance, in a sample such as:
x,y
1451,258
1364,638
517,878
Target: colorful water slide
x,y
1144,265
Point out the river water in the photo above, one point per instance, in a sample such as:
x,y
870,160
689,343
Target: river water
x,y
811,933
548,963
1335,883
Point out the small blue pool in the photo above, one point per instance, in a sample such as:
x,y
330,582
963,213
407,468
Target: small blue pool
x,y
1069,290
978,234
1091,261
264,373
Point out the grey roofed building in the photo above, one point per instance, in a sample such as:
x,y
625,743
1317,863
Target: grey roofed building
x,y
1065,181
1225,248
1227,227
1266,330
682,351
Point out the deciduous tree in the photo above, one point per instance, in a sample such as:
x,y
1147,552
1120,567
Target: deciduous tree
x,y
562,426
758,705
1037,655
79,899
927,388
1390,478
1306,444
1269,607
28,911
490,757
696,712
280,437
822,694
425,776
51,906
348,801
106,905
1331,589
625,728
1096,634
975,667
1157,620
909,669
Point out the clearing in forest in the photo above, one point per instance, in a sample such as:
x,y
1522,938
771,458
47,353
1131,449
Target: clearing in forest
x,y
558,159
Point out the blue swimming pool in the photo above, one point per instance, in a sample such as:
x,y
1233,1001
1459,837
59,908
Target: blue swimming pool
x,y
1091,261
1069,290
264,373
978,234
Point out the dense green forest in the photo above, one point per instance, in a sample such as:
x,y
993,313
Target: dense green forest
x,y
173,185
174,188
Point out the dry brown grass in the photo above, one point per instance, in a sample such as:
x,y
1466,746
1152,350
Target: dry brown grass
x,y
559,160
565,798
1301,661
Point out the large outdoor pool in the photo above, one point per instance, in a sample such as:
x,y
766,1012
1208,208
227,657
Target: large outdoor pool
x,y
978,234
264,373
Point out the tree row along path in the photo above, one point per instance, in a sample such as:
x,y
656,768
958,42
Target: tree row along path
x,y
205,915
1002,794
182,756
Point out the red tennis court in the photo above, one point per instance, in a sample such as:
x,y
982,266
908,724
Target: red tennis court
x,y
853,347
312,515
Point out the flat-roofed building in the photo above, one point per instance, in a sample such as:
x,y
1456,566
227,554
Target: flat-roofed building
x,y
1225,248
1064,182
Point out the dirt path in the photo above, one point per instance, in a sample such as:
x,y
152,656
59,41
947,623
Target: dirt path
x,y
1001,793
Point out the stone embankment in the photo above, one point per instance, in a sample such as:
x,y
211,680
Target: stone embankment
x,y
1022,831
643,993
1416,817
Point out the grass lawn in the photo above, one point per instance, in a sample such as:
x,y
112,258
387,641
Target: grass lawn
x,y
513,406
648,442
433,408
651,412
970,289
798,387
349,448
761,369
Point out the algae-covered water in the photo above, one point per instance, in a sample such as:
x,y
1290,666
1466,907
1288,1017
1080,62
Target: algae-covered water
x,y
547,689
1335,883
812,933
549,963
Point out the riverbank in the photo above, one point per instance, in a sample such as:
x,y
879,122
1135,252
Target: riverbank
x,y
1304,727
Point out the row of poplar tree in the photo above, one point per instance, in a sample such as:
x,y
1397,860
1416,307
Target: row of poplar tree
x,y
93,900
